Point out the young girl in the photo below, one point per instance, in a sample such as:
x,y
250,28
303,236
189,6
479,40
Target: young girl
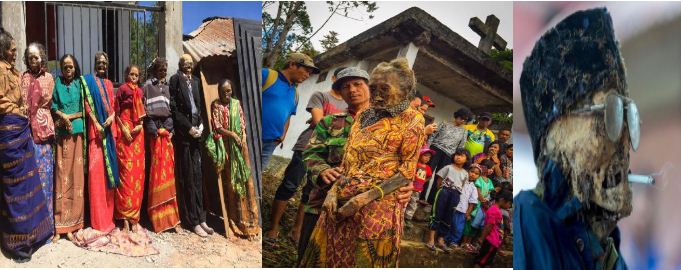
x,y
423,173
484,186
130,112
450,179
493,232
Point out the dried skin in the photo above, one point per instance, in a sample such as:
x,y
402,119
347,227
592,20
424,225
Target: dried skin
x,y
592,162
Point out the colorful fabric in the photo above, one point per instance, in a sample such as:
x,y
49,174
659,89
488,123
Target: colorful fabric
x,y
69,183
370,238
423,173
485,185
69,99
131,244
162,202
493,216
128,195
37,91
45,160
26,224
242,204
328,104
477,139
99,94
448,137
325,150
103,175
11,99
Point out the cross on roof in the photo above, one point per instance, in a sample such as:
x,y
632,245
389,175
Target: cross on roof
x,y
488,33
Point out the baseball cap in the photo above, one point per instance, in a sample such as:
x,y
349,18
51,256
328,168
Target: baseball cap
x,y
302,59
351,72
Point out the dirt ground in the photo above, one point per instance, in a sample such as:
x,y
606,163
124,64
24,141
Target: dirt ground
x,y
176,249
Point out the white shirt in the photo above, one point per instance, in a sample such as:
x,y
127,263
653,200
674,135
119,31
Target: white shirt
x,y
468,195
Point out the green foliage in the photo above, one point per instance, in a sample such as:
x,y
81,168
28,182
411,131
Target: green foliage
x,y
289,29
144,46
330,40
502,118
504,58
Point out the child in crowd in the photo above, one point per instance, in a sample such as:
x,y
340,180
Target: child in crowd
x,y
484,186
423,173
450,180
467,202
493,232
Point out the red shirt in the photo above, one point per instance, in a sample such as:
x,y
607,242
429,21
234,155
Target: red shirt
x,y
423,173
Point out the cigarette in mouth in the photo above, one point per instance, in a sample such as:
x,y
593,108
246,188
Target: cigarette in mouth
x,y
641,179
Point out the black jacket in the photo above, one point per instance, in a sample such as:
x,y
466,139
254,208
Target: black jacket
x,y
180,106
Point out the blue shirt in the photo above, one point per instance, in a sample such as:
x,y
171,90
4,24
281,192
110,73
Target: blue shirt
x,y
278,104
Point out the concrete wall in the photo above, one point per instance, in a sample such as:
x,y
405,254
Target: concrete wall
x,y
171,33
14,22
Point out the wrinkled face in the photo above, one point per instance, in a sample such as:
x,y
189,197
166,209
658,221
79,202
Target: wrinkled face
x,y
355,92
384,90
225,92
34,60
161,72
11,54
68,69
134,75
101,65
186,65
596,167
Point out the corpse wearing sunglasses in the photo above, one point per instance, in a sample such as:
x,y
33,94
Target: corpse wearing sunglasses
x,y
583,126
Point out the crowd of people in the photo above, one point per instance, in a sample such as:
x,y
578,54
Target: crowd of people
x,y
71,144
368,158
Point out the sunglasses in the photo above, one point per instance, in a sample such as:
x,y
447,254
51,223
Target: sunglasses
x,y
614,116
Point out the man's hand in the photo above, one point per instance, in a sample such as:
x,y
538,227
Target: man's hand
x,y
109,120
331,175
468,217
404,194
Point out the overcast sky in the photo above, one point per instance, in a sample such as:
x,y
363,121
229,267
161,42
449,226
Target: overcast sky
x,y
455,15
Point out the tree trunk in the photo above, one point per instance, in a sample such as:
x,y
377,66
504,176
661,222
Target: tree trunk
x,y
273,55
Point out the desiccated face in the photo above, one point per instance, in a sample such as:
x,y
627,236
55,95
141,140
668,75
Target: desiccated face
x,y
596,167
384,90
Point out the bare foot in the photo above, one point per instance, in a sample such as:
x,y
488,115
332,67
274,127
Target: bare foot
x,y
198,230
126,225
272,234
207,229
55,238
294,235
136,228
70,237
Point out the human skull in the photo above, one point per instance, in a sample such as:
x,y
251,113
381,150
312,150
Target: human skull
x,y
595,167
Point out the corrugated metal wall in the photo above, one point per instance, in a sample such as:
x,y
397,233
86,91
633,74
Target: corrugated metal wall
x,y
248,35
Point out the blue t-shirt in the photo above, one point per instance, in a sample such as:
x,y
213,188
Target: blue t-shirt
x,y
278,104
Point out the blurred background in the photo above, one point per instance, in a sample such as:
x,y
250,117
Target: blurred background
x,y
650,39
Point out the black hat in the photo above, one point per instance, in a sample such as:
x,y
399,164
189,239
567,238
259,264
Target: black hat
x,y
485,115
572,61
